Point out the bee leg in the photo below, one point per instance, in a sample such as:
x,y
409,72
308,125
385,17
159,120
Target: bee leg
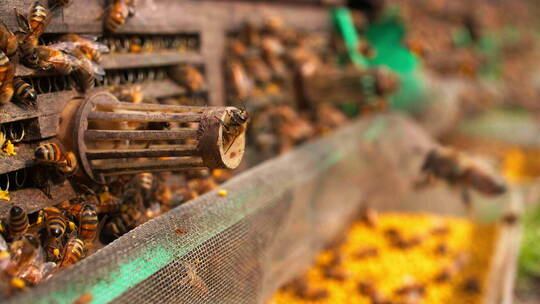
x,y
467,201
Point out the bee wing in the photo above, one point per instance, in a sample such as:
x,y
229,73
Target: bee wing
x,y
88,41
22,22
92,68
64,46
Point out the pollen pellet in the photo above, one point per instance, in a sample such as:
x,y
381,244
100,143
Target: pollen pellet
x,y
18,283
222,192
397,274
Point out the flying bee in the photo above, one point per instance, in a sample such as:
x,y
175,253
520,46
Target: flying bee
x,y
8,40
235,125
55,221
73,252
460,171
24,92
118,13
7,71
88,222
88,45
18,221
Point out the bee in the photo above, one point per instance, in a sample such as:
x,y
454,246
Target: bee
x,y
88,45
24,92
18,221
73,252
240,84
367,253
371,291
370,217
53,249
458,170
7,71
30,30
471,285
51,59
235,125
460,261
52,154
8,40
55,221
304,290
144,182
88,222
189,77
108,203
118,13
121,224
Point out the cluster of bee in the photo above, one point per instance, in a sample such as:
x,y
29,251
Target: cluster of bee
x,y
72,55
265,67
34,247
445,261
150,43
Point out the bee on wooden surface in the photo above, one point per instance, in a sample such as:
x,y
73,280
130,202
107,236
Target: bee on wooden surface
x,y
52,154
38,15
88,45
121,224
73,252
24,92
55,221
118,13
88,222
8,40
18,221
7,71
54,60
235,125
189,77
460,171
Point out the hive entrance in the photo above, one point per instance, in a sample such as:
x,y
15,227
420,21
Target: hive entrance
x,y
116,138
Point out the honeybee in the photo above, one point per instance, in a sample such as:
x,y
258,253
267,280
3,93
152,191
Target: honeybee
x,y
235,124
193,279
30,30
17,221
239,82
52,154
7,71
118,12
53,249
88,222
121,224
51,59
73,252
304,290
88,45
8,40
458,170
132,94
55,221
189,77
108,203
24,92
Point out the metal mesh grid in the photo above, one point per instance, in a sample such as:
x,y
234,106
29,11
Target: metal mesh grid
x,y
240,248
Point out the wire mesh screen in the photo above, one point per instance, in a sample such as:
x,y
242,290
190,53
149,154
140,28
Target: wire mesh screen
x,y
240,248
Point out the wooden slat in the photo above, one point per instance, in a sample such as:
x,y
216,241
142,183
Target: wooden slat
x,y
32,199
117,166
140,135
144,116
169,151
